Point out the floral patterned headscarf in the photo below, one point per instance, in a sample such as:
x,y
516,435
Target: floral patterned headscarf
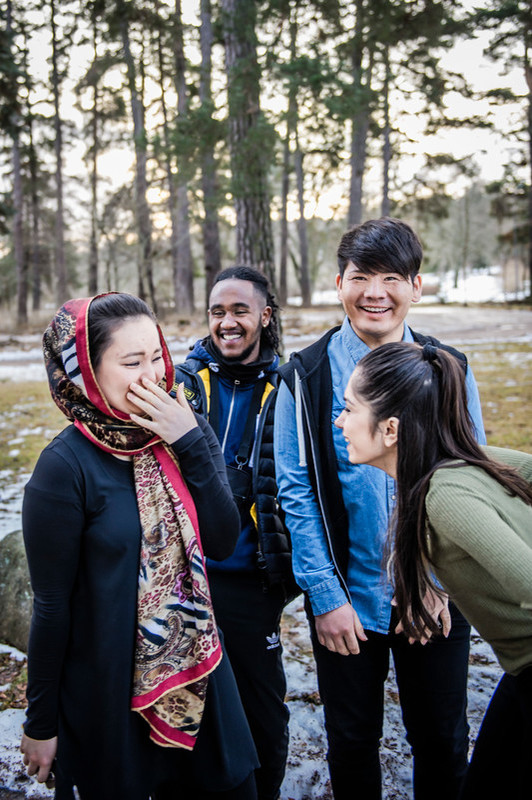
x,y
177,643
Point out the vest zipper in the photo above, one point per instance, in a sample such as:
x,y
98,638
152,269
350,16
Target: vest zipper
x,y
229,416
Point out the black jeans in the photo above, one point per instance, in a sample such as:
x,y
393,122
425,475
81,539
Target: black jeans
x,y
432,683
500,765
187,791
250,620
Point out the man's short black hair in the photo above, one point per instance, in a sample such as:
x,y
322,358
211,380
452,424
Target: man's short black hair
x,y
381,245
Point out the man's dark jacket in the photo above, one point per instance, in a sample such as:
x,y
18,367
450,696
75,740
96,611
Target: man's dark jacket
x,y
274,552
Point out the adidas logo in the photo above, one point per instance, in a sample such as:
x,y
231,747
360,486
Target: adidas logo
x,y
273,641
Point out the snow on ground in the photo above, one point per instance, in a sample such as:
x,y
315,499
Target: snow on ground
x,y
306,775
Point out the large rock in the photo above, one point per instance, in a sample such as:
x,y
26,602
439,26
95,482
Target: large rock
x,y
15,592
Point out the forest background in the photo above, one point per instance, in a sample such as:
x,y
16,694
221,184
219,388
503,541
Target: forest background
x,y
148,143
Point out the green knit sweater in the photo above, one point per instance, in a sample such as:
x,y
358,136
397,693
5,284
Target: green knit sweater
x,y
481,547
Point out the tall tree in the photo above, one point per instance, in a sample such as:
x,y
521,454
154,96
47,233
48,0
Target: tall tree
x,y
121,20
59,45
209,130
305,74
167,156
510,22
361,57
293,114
250,137
105,106
386,146
34,170
12,116
183,279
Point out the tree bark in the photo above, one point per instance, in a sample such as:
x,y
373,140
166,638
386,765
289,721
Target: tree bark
x,y
248,139
141,181
304,276
36,253
360,121
61,289
172,193
17,232
386,149
528,76
184,276
93,242
211,231
285,188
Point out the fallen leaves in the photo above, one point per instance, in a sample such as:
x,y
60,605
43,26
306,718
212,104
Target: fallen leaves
x,y
13,678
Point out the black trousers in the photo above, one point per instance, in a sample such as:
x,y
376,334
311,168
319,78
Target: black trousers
x,y
500,765
250,619
432,683
186,791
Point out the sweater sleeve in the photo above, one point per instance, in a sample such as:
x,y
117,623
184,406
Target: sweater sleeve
x,y
203,467
472,523
53,520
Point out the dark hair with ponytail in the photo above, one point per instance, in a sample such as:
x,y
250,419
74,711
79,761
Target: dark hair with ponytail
x,y
270,334
424,387
107,312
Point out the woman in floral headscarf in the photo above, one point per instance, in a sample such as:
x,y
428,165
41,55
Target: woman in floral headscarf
x,y
129,694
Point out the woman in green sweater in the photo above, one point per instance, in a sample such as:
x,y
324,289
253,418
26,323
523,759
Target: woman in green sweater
x,y
464,514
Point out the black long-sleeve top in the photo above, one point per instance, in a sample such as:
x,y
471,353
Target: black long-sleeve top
x,y
82,535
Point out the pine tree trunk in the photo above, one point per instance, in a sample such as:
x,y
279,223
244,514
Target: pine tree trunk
x,y
211,232
18,244
528,76
61,290
36,258
283,255
360,122
93,242
184,278
293,114
249,151
304,276
141,181
170,178
386,150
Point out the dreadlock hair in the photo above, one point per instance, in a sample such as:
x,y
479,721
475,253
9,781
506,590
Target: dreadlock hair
x,y
424,387
270,334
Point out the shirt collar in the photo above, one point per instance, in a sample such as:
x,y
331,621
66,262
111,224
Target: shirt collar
x,y
354,344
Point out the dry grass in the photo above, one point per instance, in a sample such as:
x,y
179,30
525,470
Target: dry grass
x,y
29,418
504,377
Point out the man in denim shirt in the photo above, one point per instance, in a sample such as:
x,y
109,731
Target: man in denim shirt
x,y
338,514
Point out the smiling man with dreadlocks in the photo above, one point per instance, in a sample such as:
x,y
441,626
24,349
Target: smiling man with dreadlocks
x,y
231,377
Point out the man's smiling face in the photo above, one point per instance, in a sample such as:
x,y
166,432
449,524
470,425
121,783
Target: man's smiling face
x,y
377,302
237,314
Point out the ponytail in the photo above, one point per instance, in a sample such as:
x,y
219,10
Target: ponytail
x,y
424,387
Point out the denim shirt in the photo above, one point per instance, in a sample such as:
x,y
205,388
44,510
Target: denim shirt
x,y
368,494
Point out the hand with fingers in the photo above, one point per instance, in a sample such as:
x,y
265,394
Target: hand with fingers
x,y
38,755
339,630
438,607
167,417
